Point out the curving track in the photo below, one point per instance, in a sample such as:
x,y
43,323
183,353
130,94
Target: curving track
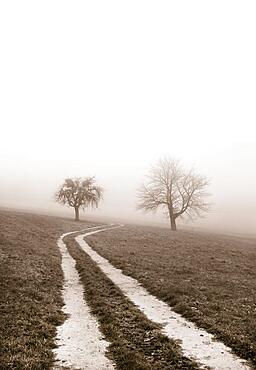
x,y
195,343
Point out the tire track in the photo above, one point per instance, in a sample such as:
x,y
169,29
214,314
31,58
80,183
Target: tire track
x,y
196,343
79,340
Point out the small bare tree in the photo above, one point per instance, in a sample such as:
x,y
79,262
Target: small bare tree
x,y
176,191
79,193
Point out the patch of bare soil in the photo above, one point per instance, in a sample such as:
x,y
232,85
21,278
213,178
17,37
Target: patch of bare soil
x,y
209,279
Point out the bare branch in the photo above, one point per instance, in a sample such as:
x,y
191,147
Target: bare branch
x,y
79,193
178,191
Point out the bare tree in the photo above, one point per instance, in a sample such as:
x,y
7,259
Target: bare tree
x,y
176,191
79,193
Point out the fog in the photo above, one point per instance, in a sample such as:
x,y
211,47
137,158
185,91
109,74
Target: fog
x,y
106,88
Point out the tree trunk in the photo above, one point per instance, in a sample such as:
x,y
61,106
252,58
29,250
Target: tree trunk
x,y
173,224
76,214
172,218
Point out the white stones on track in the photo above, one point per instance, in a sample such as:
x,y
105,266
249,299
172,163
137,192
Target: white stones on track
x,y
80,343
196,343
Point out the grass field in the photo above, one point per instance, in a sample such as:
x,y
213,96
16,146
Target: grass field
x,y
209,279
30,284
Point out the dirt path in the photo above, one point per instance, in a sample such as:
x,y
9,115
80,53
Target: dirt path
x,y
80,343
196,343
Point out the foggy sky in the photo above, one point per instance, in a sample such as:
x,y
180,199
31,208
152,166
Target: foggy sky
x,y
106,88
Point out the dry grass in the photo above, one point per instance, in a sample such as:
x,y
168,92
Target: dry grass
x,y
30,284
209,279
136,342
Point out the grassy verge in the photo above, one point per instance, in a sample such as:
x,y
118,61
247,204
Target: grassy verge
x,y
209,279
136,342
30,284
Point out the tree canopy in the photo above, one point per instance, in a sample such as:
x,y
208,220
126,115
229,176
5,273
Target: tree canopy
x,y
79,193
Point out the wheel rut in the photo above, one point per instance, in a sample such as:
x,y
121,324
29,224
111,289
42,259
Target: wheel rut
x,y
195,343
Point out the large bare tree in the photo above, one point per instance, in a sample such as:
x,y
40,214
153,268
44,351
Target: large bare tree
x,y
79,193
177,191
